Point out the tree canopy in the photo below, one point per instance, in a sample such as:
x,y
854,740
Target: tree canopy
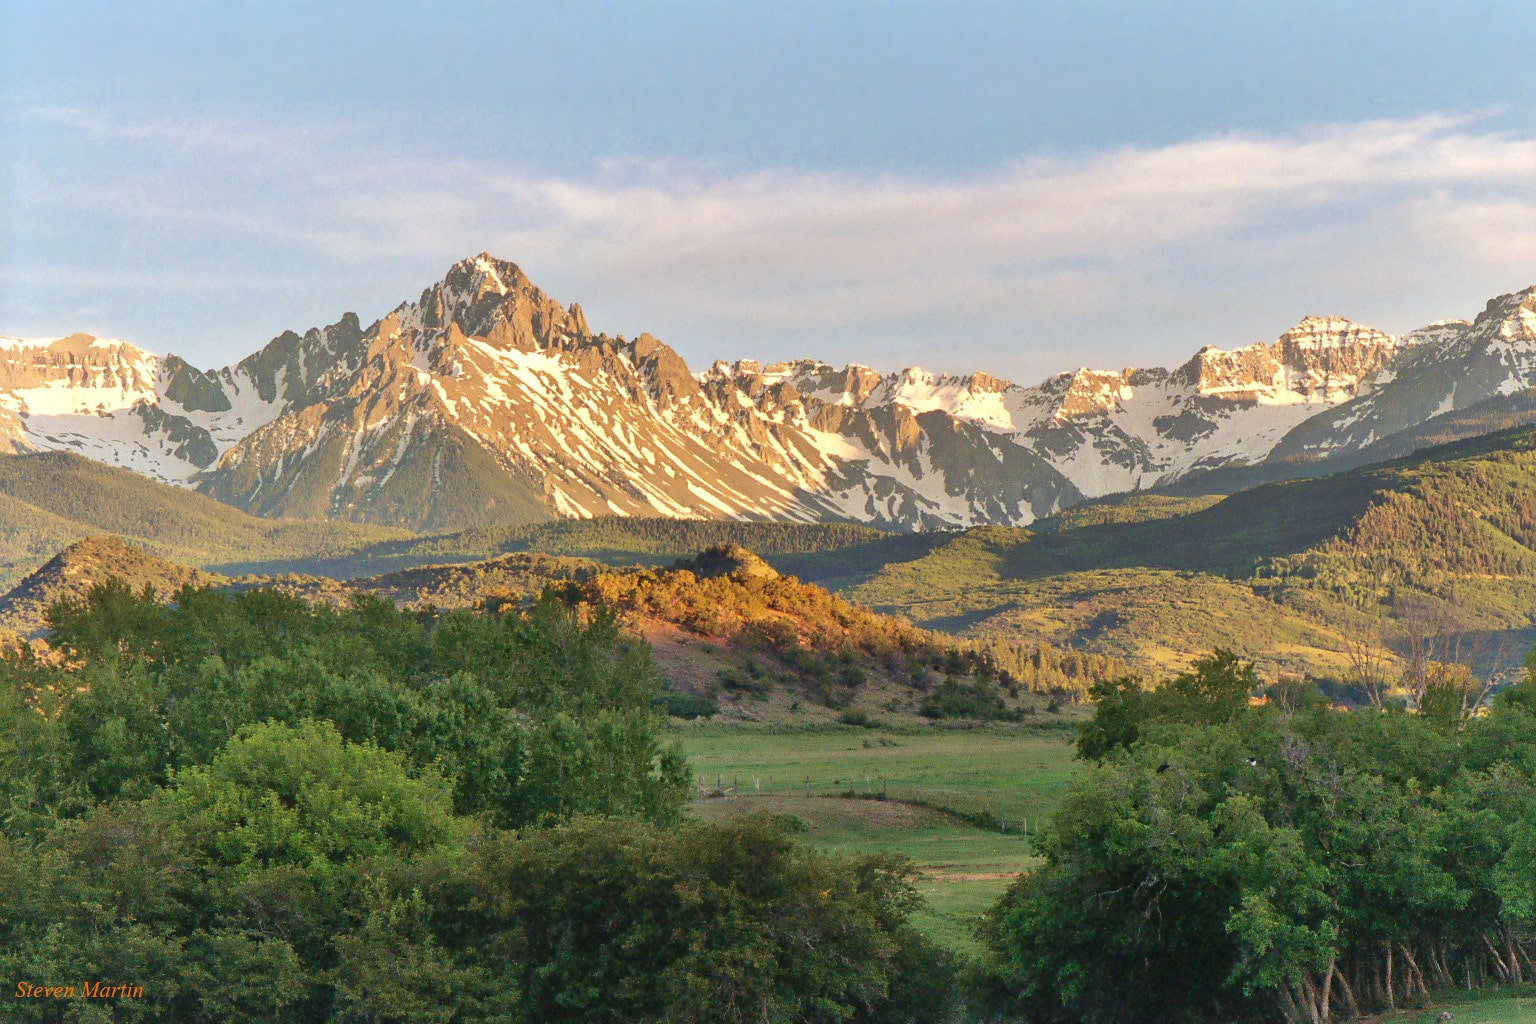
x,y
251,809
1224,860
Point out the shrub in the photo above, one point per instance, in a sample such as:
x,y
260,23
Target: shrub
x,y
951,699
686,705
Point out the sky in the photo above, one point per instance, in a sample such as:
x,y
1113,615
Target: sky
x,y
1022,188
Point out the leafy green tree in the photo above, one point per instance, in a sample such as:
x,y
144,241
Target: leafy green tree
x,y
618,921
1216,689
530,717
393,970
1283,862
259,810
978,699
241,891
1120,706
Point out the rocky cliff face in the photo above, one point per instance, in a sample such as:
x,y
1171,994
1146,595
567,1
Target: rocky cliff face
x,y
1443,368
110,401
486,400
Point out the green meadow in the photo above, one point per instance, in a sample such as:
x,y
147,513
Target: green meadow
x,y
1017,776
1497,1007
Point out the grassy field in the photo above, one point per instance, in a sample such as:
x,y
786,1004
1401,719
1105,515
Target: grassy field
x,y
1012,773
1015,775
963,869
1475,1008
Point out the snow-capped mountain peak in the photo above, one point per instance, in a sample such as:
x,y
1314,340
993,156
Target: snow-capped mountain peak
x,y
486,400
1515,316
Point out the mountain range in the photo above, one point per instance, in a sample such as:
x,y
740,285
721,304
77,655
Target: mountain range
x,y
485,402
1439,545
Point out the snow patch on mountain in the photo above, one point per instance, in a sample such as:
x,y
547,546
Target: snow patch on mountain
x,y
485,399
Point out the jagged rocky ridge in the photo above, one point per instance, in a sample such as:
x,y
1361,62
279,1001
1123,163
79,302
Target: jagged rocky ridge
x,y
485,400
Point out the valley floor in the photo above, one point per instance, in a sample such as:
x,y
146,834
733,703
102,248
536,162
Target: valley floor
x,y
958,803
1498,1007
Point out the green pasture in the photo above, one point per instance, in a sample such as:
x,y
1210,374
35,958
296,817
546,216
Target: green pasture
x,y
962,869
1015,775
1498,1007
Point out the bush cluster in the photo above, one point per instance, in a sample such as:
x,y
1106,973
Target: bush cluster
x,y
255,810
1227,860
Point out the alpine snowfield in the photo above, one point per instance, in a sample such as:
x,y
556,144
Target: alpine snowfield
x,y
485,400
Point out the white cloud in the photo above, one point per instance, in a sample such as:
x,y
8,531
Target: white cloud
x,y
1182,237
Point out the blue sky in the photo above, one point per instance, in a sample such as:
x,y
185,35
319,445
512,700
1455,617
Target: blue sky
x,y
1017,187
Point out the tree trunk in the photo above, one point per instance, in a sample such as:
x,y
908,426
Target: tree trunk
x,y
1391,996
1497,960
1349,993
1437,965
1413,971
1311,1002
1529,963
1288,1007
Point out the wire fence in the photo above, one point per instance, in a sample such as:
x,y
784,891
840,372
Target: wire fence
x,y
977,809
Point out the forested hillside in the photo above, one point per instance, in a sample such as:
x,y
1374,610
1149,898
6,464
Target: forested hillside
x,y
72,573
1289,574
771,638
50,500
803,549
728,632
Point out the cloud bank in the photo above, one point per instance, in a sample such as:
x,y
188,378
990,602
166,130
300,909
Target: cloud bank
x,y
1126,256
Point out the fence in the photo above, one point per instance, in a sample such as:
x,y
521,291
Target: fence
x,y
975,808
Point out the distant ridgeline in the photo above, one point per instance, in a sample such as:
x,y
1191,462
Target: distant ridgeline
x,y
1433,550
1436,549
484,401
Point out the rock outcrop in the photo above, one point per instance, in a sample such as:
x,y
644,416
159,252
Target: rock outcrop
x,y
486,400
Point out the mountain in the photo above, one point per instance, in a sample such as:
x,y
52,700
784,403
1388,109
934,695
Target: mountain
x,y
487,402
1440,545
115,403
53,498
